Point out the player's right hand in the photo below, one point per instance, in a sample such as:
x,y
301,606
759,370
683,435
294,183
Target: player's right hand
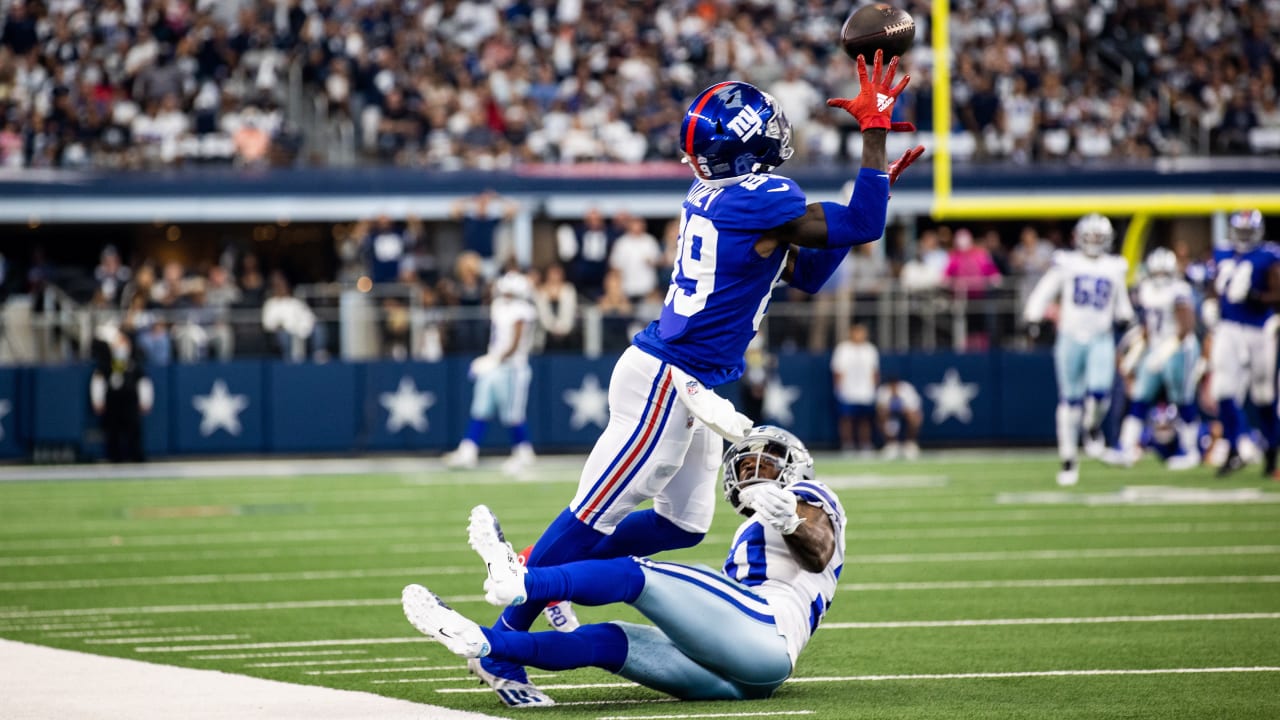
x,y
873,106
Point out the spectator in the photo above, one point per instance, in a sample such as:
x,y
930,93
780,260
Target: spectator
x,y
110,275
899,417
480,216
557,305
855,368
616,314
971,273
584,250
120,393
429,324
220,296
291,322
636,255
1029,260
467,292
387,247
922,274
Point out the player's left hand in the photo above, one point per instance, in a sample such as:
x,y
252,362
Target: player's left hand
x,y
897,166
482,366
776,506
877,94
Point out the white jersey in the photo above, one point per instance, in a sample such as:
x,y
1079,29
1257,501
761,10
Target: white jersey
x,y
1159,299
857,365
759,558
1090,292
505,314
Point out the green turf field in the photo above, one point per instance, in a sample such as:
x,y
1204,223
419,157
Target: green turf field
x,y
972,588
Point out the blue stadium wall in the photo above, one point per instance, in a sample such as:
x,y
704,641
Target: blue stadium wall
x,y
265,407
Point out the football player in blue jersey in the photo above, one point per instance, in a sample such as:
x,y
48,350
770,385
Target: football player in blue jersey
x,y
742,230
730,635
1242,356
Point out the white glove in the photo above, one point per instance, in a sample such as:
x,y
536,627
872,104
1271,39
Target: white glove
x,y
714,411
482,365
775,505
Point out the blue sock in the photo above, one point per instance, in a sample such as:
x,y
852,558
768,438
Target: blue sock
x,y
1229,415
602,645
590,582
1267,423
644,532
565,540
519,434
1139,409
475,430
1188,412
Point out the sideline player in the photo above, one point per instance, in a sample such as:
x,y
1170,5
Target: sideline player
x,y
502,376
1164,356
730,635
1088,284
1242,356
741,229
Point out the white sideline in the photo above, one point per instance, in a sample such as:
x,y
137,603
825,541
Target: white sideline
x,y
40,683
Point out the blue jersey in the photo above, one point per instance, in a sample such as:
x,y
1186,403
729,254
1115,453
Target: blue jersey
x,y
1236,274
721,286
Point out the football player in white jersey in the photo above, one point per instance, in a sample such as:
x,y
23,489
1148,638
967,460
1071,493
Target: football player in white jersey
x,y
728,635
502,375
1164,354
743,229
1088,286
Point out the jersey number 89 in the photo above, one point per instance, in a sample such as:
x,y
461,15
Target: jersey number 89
x,y
695,273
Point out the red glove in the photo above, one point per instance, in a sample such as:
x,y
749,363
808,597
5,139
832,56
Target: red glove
x,y
874,104
897,166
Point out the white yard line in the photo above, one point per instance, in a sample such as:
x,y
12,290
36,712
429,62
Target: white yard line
x,y
113,632
295,653
80,625
362,671
45,683
215,579
163,639
1048,621
289,644
1083,554
946,533
315,663
934,676
1063,583
200,608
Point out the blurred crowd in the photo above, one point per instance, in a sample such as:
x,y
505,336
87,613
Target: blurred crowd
x,y
475,84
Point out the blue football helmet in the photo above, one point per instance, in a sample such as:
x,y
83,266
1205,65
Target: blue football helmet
x,y
1245,229
778,456
734,128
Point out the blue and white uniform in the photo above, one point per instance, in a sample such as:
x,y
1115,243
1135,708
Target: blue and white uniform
x,y
503,389
1167,360
1243,355
764,606
719,293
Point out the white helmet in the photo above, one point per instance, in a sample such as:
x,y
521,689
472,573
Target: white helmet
x,y
1162,263
515,285
1093,234
771,447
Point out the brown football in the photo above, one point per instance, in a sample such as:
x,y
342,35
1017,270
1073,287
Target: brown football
x,y
877,27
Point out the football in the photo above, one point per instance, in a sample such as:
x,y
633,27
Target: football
x,y
877,27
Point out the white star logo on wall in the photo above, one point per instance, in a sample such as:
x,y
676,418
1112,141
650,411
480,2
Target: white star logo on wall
x,y
5,407
406,407
778,399
951,398
220,409
590,404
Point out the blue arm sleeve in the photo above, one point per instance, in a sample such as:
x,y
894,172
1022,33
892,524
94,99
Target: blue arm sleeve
x,y
815,266
862,220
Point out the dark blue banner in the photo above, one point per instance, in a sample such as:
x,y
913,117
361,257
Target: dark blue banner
x,y
220,407
407,406
311,406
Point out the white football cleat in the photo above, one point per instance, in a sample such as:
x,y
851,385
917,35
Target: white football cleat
x,y
521,459
1095,445
561,616
1119,458
910,451
1186,461
1069,474
511,692
505,585
428,613
891,451
466,457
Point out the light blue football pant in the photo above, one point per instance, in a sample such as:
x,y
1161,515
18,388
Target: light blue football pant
x,y
715,639
502,392
1084,367
1175,377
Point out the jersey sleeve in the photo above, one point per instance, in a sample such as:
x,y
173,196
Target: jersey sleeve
x,y
761,202
1045,291
818,494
